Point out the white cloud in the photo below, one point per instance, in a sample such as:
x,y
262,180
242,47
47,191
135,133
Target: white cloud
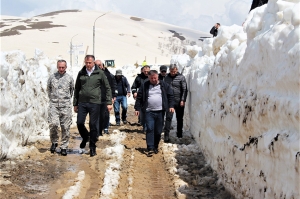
x,y
200,15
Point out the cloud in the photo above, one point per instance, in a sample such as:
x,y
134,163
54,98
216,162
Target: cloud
x,y
194,14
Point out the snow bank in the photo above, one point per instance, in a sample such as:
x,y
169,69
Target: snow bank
x,y
243,105
74,191
24,100
114,156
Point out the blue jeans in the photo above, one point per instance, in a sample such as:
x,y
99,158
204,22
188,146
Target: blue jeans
x,y
154,124
123,101
93,111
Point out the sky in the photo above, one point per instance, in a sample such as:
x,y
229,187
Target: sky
x,y
193,14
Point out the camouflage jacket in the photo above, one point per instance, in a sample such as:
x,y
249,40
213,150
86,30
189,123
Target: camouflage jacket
x,y
60,89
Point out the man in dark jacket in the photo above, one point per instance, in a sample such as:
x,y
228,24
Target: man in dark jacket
x,y
257,3
163,72
87,100
179,86
154,98
104,113
140,80
123,90
214,29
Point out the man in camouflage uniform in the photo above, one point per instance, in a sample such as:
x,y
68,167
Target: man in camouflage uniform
x,y
60,88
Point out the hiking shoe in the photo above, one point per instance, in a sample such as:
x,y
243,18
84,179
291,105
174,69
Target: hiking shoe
x,y
118,124
63,152
155,151
53,147
150,152
106,131
124,122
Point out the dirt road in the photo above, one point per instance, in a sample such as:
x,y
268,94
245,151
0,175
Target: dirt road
x,y
121,169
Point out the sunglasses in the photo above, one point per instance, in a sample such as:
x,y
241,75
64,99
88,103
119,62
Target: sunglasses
x,y
163,71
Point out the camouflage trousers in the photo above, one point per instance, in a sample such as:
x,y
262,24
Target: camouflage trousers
x,y
60,116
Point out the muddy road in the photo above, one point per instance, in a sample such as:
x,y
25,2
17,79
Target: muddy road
x,y
121,169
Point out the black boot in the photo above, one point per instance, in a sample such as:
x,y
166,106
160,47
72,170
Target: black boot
x,y
53,147
166,137
82,144
63,152
93,151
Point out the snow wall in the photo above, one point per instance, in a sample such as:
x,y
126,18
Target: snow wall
x,y
243,104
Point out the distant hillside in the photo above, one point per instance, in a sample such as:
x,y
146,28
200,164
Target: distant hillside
x,y
127,39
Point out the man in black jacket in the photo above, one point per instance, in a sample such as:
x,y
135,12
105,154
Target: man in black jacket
x,y
123,90
138,82
163,72
104,113
178,84
214,29
154,98
257,3
87,100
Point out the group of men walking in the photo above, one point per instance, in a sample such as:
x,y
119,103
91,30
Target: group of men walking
x,y
96,90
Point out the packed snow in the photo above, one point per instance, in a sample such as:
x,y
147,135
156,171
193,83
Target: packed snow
x,y
242,108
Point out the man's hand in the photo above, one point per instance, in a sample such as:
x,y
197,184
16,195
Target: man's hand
x,y
75,109
182,103
113,100
134,95
109,107
128,94
172,110
137,113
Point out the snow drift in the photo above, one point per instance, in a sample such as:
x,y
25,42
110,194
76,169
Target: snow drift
x,y
243,106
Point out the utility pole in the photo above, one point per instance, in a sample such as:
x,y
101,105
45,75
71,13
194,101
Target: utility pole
x,y
71,49
94,31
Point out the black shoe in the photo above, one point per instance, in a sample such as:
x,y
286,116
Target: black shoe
x,y
63,152
155,151
93,151
83,143
118,124
106,131
179,135
53,147
124,122
166,137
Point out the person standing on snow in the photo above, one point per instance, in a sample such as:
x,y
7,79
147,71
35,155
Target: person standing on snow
x,y
123,90
178,84
257,3
154,98
60,88
144,63
87,100
214,29
104,113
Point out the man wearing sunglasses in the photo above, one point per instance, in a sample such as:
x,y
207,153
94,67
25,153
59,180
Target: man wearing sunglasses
x,y
163,72
60,88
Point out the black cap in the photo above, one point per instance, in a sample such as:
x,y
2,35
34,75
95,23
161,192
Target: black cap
x,y
163,68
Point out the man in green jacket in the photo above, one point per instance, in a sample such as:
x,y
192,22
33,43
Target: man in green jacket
x,y
87,100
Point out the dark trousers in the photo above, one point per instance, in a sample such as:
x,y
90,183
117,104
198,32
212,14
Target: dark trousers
x,y
179,117
154,124
104,118
93,111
